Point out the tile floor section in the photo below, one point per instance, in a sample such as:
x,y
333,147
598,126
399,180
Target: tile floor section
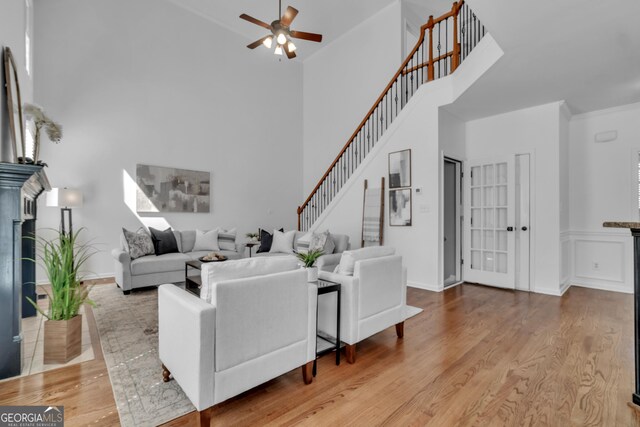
x,y
33,349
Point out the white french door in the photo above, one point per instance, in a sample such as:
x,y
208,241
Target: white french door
x,y
489,222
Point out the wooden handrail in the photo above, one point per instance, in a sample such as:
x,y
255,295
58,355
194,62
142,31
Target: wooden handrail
x,y
426,64
428,26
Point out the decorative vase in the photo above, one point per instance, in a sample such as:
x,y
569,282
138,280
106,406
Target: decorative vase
x,y
62,339
312,274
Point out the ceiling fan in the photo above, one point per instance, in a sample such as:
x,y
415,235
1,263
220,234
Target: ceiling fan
x,y
281,32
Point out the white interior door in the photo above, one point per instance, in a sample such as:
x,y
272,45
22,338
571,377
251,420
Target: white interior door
x,y
489,222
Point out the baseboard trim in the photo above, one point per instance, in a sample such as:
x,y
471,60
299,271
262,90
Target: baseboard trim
x,y
603,287
424,286
553,292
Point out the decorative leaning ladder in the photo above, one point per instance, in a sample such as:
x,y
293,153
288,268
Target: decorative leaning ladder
x,y
443,44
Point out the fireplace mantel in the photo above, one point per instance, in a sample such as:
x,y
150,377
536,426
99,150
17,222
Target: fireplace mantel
x,y
20,185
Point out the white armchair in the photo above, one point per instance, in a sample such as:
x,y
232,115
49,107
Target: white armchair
x,y
372,299
256,328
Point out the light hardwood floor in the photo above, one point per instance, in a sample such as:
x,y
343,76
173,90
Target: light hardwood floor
x,y
476,356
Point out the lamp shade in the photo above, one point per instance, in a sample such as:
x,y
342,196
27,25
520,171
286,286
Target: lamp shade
x,y
64,198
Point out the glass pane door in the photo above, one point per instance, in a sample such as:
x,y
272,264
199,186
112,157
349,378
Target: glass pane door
x,y
490,213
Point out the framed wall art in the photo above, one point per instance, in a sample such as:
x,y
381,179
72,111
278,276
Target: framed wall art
x,y
163,189
400,207
17,150
400,169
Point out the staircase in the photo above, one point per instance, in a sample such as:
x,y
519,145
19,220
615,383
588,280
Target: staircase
x,y
443,44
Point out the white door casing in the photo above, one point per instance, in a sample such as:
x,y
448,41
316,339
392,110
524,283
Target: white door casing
x,y
523,221
489,238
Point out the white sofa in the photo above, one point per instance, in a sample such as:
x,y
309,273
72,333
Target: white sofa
x,y
152,270
256,328
373,298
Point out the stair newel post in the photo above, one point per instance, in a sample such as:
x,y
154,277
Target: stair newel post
x,y
299,212
455,59
430,72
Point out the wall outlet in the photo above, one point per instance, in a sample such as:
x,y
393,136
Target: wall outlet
x,y
596,266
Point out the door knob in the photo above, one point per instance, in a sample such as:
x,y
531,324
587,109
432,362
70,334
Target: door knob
x,y
524,228
509,228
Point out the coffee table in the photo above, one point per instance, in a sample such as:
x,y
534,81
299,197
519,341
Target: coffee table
x,y
325,343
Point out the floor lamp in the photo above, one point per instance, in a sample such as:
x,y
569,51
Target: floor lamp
x,y
65,199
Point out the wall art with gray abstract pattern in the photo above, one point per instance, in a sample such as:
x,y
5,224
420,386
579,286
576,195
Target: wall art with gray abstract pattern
x,y
162,189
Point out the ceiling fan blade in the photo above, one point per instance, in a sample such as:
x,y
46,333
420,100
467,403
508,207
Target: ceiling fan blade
x,y
306,36
257,43
255,21
289,16
290,54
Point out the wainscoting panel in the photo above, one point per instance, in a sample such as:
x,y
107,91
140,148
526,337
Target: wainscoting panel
x,y
601,260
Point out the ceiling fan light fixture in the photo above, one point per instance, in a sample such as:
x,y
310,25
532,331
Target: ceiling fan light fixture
x,y
278,50
281,39
268,42
292,47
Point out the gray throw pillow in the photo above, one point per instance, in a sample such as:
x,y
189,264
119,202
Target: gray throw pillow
x,y
322,242
139,243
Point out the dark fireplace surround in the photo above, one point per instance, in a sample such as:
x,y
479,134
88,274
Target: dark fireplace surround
x,y
20,186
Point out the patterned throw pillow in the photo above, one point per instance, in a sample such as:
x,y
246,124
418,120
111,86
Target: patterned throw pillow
x,y
322,242
227,240
139,243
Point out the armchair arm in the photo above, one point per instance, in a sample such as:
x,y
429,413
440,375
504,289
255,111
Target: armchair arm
x,y
349,306
122,268
186,341
328,262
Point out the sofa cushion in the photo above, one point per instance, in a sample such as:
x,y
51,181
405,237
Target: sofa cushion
x,y
227,240
349,258
199,254
341,241
164,242
138,243
206,240
215,272
158,264
282,242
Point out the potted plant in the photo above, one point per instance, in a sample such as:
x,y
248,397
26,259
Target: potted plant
x,y
36,115
62,257
253,237
308,260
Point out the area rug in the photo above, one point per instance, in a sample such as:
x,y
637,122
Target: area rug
x,y
128,328
410,311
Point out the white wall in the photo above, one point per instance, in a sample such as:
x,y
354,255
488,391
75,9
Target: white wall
x,y
341,83
149,82
535,131
15,16
416,127
604,187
